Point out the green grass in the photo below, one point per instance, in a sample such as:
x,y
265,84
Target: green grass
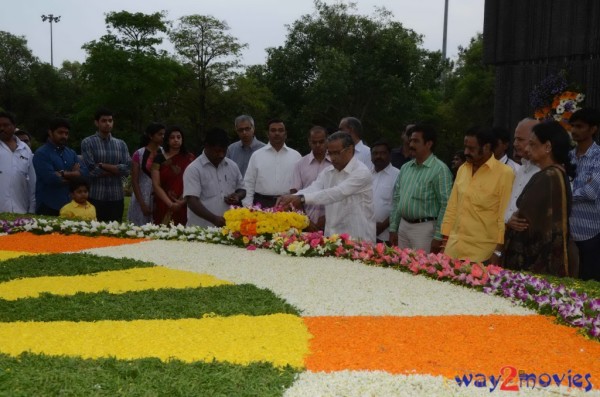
x,y
7,216
39,375
226,300
63,265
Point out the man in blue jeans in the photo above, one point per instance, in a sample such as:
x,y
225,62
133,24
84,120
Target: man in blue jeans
x,y
585,214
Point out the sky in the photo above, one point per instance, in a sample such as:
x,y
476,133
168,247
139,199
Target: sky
x,y
259,23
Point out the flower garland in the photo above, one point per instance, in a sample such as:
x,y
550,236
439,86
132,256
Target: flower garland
x,y
569,306
554,99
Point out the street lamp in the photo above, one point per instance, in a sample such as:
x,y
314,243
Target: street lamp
x,y
445,39
52,19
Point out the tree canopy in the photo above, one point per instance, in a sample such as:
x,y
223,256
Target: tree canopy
x,y
334,63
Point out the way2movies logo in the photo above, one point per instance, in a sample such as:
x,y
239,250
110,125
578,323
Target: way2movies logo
x,y
511,379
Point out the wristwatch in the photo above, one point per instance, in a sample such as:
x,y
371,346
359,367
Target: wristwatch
x,y
302,199
498,253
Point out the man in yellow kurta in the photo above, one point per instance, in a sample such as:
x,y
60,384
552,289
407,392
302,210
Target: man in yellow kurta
x,y
473,225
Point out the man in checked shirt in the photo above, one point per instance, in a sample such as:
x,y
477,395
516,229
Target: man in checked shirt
x,y
108,161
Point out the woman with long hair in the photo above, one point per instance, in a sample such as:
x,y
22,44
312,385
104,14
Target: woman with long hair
x,y
167,179
543,243
142,200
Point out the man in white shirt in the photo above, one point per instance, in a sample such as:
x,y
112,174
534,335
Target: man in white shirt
x,y
307,170
270,170
17,175
384,180
353,126
523,174
502,144
345,189
212,183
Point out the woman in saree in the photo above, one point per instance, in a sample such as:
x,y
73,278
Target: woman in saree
x,y
542,243
142,201
167,179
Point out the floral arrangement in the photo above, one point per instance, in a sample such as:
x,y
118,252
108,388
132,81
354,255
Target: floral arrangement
x,y
567,305
257,221
555,99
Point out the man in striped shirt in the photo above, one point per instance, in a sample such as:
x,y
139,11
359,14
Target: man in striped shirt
x,y
585,213
107,159
420,195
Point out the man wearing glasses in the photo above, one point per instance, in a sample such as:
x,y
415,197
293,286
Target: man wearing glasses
x,y
346,191
241,151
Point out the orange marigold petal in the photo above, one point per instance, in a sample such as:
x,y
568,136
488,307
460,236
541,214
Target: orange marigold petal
x,y
449,345
55,242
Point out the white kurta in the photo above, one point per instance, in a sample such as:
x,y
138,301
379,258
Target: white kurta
x,y
348,199
270,172
522,177
383,191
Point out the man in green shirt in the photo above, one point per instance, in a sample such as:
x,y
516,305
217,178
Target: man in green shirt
x,y
420,195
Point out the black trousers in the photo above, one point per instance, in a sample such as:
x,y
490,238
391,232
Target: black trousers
x,y
589,258
107,211
264,200
43,209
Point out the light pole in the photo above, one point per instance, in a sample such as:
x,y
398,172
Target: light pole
x,y
52,19
445,39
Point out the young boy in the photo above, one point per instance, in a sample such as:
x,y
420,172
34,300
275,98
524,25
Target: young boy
x,y
79,207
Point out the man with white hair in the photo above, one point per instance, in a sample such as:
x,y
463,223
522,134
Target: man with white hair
x,y
522,175
241,151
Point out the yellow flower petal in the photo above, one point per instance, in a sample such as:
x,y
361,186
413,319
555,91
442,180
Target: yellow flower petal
x,y
115,282
4,255
281,339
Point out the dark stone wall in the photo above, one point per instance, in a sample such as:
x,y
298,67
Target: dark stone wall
x,y
528,39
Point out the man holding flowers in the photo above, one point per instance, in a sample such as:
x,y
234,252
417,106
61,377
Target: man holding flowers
x,y
212,182
345,189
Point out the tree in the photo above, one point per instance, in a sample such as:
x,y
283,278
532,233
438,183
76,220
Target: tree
x,y
211,57
469,98
136,31
335,63
35,91
16,60
126,72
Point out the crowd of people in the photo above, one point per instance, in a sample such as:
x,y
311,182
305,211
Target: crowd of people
x,y
537,211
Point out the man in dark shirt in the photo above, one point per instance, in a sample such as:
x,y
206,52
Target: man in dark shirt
x,y
55,164
401,155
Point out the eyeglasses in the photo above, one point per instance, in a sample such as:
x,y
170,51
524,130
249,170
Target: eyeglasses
x,y
244,129
337,153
